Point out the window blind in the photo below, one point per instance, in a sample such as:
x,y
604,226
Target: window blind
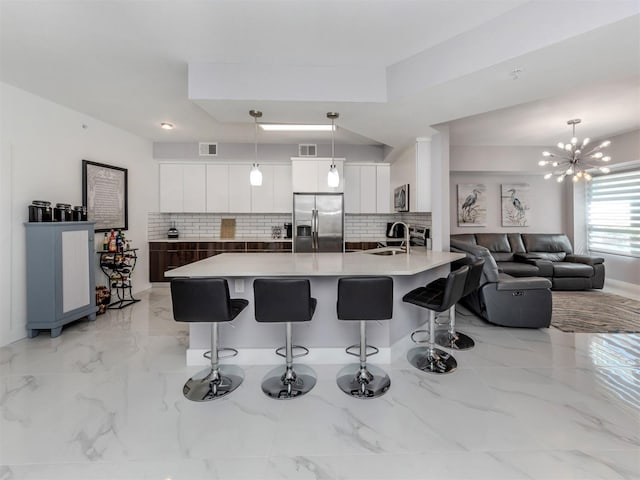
x,y
613,213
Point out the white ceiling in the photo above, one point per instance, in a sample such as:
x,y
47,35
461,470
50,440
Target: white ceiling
x,y
439,61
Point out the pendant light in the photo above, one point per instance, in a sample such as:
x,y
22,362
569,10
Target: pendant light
x,y
255,177
333,177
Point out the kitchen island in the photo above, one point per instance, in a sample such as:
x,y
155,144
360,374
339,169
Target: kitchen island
x,y
325,335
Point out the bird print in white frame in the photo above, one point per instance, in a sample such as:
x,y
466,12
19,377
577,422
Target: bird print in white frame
x,y
515,204
472,205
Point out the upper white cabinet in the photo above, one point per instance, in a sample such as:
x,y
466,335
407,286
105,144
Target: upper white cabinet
x,y
239,188
310,175
224,188
183,187
274,195
383,188
366,188
217,188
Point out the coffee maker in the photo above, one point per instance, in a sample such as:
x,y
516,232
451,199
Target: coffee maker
x,y
288,230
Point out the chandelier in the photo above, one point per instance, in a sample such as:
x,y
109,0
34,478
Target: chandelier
x,y
574,158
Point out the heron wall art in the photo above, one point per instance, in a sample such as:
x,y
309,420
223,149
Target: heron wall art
x,y
515,204
472,205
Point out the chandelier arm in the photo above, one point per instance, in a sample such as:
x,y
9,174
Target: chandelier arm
x,y
594,149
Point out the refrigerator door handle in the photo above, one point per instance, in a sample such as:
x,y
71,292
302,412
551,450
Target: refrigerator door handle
x,y
314,231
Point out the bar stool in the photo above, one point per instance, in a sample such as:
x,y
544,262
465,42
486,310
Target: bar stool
x,y
451,338
288,301
437,297
207,300
363,299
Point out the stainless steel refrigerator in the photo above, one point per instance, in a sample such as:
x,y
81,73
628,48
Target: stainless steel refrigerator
x,y
318,222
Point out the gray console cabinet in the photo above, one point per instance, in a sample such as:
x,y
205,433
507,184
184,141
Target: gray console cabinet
x,y
60,275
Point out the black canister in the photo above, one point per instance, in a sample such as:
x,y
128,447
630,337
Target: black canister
x,y
40,211
80,213
63,212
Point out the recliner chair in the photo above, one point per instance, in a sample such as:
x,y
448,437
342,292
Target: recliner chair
x,y
506,300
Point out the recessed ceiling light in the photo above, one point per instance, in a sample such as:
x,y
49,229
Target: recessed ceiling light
x,y
166,126
291,127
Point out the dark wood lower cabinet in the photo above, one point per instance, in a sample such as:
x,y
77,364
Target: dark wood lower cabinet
x,y
164,256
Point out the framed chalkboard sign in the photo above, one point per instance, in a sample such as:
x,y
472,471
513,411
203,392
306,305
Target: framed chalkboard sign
x,y
104,192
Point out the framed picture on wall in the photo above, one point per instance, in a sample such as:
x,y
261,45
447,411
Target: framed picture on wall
x,y
105,193
472,205
515,204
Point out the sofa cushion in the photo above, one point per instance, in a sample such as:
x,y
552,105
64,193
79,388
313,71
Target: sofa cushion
x,y
568,269
494,242
518,269
465,237
517,245
502,256
549,246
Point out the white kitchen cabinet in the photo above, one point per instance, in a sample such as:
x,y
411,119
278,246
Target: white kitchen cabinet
x,y
310,175
224,188
217,188
171,188
194,184
282,192
275,194
366,188
351,188
262,196
383,188
368,184
182,188
239,189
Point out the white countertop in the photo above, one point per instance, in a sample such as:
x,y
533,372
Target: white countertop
x,y
313,264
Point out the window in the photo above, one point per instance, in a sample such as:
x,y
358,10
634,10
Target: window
x,y
613,213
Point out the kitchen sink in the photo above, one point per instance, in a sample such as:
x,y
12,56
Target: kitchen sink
x,y
385,251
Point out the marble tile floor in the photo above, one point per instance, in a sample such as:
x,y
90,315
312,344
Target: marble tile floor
x,y
104,401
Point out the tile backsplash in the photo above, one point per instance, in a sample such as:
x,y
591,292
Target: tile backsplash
x,y
207,225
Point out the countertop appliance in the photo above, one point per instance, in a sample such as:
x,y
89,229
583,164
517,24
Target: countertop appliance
x,y
173,231
401,198
419,236
318,222
288,230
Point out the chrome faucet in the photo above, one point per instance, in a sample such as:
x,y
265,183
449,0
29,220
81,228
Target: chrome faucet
x,y
406,233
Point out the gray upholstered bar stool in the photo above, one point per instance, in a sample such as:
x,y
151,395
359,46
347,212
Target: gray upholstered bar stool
x,y
437,296
451,338
286,301
363,299
207,300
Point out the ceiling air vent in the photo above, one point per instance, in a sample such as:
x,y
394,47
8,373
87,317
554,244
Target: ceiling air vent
x,y
307,150
208,149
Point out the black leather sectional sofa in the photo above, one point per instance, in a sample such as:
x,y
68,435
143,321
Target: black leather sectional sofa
x,y
540,255
519,272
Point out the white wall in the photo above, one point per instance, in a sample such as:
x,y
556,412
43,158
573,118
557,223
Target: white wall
x,y
43,145
267,152
546,203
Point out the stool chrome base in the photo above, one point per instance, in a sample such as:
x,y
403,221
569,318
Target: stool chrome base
x,y
432,361
456,341
209,385
364,383
287,383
